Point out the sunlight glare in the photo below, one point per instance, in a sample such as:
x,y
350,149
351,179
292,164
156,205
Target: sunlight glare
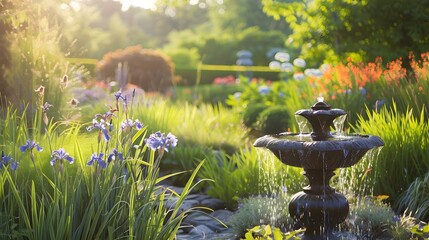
x,y
146,4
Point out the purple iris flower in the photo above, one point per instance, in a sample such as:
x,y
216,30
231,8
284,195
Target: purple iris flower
x,y
8,160
102,126
30,145
115,155
129,123
118,95
46,106
98,159
159,141
59,155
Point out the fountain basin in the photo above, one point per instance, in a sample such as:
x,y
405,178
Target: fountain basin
x,y
299,150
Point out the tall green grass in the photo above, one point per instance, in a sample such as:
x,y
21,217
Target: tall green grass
x,y
36,60
216,127
249,172
405,155
76,201
414,200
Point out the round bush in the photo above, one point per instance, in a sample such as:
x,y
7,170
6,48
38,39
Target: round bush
x,y
251,114
273,120
149,69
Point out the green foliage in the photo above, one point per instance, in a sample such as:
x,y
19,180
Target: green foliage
x,y
404,227
255,211
36,60
247,173
273,120
414,200
77,201
403,158
214,94
223,49
265,232
251,114
292,95
149,69
371,217
330,29
204,125
183,57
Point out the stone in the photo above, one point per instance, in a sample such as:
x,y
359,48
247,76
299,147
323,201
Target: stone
x,y
201,230
222,214
197,218
188,204
213,203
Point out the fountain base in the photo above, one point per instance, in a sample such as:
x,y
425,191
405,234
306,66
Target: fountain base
x,y
318,208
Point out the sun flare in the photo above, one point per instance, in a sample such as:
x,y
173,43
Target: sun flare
x,y
146,4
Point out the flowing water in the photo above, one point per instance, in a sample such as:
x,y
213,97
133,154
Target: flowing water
x,y
303,125
339,124
271,188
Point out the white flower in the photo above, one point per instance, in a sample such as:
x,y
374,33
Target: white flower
x,y
325,67
298,76
274,65
282,57
313,72
299,62
237,95
287,67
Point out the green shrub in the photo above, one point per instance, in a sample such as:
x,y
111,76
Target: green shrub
x,y
256,211
402,227
415,200
273,120
370,218
149,69
251,113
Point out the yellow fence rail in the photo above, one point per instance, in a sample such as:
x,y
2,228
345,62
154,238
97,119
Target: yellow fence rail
x,y
200,67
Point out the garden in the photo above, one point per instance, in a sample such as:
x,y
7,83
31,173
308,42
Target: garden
x,y
138,123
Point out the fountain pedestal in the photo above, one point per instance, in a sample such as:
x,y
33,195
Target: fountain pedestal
x,y
318,208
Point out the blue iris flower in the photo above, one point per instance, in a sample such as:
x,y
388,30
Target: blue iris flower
x,y
46,107
129,123
118,95
8,160
102,126
98,159
115,155
59,155
30,145
159,141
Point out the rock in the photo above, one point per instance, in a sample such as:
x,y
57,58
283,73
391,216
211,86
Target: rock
x,y
201,230
213,203
188,204
197,218
222,214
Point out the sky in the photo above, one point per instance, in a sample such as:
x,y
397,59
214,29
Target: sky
x,y
147,4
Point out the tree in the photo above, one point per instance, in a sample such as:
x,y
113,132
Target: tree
x,y
241,14
362,29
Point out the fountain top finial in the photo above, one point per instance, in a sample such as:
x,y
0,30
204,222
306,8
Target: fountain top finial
x,y
321,117
321,106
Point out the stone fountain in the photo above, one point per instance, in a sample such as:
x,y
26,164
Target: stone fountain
x,y
318,207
